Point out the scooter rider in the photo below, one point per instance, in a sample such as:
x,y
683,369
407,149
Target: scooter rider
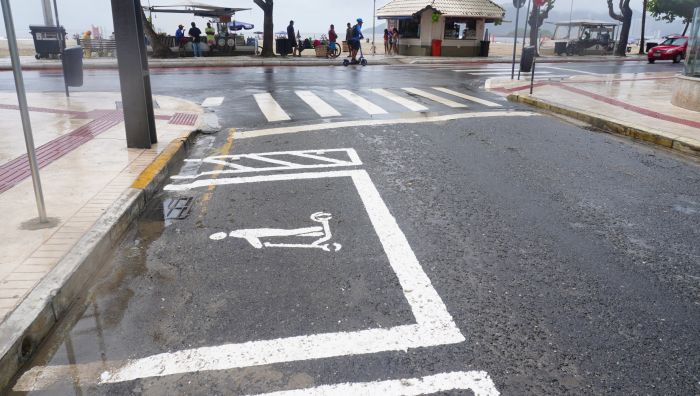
x,y
356,40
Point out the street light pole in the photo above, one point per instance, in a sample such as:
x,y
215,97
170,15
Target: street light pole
x,y
48,14
23,110
374,26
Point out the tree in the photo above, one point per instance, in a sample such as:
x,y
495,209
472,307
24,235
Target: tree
x,y
266,6
624,16
537,16
160,50
669,10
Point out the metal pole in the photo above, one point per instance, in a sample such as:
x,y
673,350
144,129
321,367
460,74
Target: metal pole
x,y
534,57
374,26
23,111
46,8
60,47
515,41
527,19
644,19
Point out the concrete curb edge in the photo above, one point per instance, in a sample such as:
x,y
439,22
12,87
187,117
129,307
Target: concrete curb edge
x,y
670,141
25,328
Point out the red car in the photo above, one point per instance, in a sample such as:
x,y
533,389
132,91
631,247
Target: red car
x,y
673,48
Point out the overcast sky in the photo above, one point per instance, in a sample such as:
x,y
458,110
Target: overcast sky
x,y
309,16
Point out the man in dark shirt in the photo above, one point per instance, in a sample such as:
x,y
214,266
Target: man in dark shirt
x,y
194,32
348,38
292,39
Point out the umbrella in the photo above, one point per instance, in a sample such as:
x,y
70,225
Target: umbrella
x,y
237,25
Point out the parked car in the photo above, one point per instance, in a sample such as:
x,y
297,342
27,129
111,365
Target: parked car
x,y
673,48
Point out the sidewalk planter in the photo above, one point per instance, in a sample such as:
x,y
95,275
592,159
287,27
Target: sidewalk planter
x,y
686,92
321,51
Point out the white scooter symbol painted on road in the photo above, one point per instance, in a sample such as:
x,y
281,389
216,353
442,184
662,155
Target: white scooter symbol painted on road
x,y
253,235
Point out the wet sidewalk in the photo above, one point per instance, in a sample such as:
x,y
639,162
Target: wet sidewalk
x,y
635,105
85,169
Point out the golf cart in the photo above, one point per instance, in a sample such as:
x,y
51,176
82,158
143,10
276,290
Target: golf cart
x,y
581,37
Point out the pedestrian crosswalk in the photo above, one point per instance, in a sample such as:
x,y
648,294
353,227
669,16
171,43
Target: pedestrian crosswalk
x,y
327,103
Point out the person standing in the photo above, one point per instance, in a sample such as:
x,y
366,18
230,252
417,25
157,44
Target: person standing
x,y
356,40
180,39
395,41
291,38
332,38
387,42
348,38
195,33
87,45
211,39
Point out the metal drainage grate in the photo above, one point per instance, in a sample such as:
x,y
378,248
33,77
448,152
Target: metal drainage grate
x,y
177,208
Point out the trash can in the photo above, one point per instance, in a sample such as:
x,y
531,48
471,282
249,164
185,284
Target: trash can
x,y
526,59
283,47
650,46
436,48
73,66
46,40
484,48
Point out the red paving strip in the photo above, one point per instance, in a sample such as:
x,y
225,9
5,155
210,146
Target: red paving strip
x,y
16,170
630,107
74,113
183,119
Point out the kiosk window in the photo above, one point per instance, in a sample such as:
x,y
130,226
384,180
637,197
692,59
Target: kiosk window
x,y
460,29
409,28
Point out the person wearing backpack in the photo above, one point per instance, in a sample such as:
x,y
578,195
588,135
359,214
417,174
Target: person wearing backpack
x,y
355,43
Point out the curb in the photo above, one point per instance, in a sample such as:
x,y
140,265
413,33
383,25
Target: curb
x,y
670,141
32,321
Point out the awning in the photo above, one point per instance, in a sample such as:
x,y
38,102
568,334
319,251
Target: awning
x,y
238,25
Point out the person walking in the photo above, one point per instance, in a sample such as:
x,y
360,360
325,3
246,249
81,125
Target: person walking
x,y
195,33
87,45
348,38
387,42
180,39
395,41
211,39
291,38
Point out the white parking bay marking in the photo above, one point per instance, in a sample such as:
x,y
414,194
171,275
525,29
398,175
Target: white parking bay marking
x,y
322,108
270,108
433,324
369,107
467,97
479,382
213,101
409,104
435,98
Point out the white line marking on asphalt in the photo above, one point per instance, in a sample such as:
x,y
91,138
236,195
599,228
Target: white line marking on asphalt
x,y
360,102
571,70
467,97
228,161
487,69
359,123
409,104
504,73
479,382
213,101
322,108
434,324
435,98
270,108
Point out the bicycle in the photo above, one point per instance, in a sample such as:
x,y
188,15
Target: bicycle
x,y
333,50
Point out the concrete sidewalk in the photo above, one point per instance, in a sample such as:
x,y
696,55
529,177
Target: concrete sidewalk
x,y
93,186
634,105
29,63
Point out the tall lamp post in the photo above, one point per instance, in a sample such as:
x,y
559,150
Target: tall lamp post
x,y
374,25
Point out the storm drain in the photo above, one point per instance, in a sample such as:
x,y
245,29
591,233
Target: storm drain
x,y
177,208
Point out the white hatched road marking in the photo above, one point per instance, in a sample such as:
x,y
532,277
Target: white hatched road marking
x,y
571,70
409,104
270,108
213,101
504,73
322,108
467,97
435,98
479,382
360,102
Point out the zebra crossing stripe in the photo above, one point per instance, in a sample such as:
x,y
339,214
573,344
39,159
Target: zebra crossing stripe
x,y
467,97
360,102
270,108
213,101
322,108
409,104
435,98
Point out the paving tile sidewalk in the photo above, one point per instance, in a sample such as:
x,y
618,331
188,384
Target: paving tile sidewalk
x,y
85,169
636,105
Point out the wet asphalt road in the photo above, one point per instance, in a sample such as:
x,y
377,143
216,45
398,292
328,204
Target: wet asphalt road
x,y
566,258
